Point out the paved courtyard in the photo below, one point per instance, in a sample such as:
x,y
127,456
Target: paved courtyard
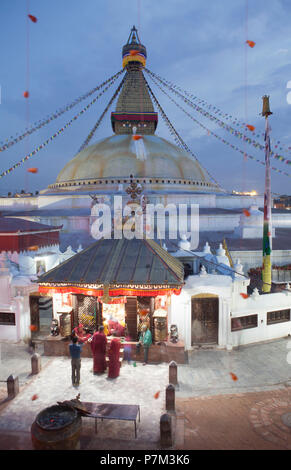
x,y
214,410
258,367
135,385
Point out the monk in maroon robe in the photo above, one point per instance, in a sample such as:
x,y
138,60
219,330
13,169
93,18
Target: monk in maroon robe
x,y
98,346
114,354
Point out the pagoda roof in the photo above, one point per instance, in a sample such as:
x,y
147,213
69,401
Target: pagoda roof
x,y
17,226
118,263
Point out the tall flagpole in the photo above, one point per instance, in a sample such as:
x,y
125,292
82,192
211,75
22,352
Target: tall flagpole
x,y
267,230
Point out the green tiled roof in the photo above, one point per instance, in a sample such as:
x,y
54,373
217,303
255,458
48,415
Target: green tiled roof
x,y
122,262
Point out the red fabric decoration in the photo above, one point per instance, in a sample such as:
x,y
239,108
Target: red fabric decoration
x,y
250,127
112,292
244,296
233,376
33,18
246,213
32,170
26,94
251,43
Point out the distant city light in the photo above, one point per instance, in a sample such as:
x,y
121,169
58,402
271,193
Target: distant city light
x,y
246,193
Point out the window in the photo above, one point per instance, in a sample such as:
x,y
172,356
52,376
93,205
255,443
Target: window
x,y
242,323
278,317
7,318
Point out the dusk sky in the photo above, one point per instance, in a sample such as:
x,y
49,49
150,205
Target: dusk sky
x,y
198,45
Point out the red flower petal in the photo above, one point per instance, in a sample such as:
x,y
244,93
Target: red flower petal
x,y
33,18
244,296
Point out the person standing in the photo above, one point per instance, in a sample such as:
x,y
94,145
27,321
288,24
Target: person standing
x,y
127,348
146,341
81,334
75,352
98,346
114,358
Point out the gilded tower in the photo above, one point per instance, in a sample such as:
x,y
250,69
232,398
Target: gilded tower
x,y
134,106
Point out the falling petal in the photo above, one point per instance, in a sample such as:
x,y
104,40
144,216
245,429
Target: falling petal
x,y
33,18
156,395
233,376
250,127
34,397
251,43
244,296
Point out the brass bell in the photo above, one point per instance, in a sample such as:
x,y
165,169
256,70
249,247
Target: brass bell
x,y
266,106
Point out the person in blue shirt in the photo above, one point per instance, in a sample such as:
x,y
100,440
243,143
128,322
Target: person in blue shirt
x,y
75,352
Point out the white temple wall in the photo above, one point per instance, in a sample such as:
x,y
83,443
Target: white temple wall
x,y
29,203
254,259
260,306
231,201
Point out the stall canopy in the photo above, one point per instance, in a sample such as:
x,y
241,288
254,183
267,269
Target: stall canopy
x,y
117,267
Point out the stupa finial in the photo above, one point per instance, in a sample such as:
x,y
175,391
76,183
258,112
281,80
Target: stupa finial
x,y
133,52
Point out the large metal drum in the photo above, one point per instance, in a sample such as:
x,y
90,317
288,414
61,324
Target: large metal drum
x,y
160,329
65,324
56,428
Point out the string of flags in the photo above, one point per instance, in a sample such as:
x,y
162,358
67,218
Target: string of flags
x,y
177,138
41,123
277,144
60,131
234,147
92,132
225,126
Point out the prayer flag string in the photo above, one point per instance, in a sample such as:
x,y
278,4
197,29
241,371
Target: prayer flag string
x,y
60,131
42,122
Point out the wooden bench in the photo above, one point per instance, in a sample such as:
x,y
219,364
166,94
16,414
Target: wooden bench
x,y
112,411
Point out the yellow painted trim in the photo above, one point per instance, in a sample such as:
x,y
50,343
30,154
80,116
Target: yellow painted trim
x,y
133,58
204,296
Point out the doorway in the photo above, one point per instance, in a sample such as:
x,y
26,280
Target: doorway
x,y
41,314
204,328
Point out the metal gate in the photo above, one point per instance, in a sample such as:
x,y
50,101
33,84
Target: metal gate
x,y
88,312
204,320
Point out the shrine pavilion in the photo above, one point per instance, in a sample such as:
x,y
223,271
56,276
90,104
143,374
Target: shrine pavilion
x,y
128,281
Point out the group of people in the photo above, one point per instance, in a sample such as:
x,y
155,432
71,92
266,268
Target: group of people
x,y
98,342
